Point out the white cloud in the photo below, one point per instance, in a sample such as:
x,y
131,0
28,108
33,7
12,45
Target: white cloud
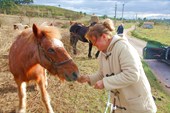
x,y
107,7
154,15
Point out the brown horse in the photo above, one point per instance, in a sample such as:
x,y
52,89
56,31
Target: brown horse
x,y
78,32
34,51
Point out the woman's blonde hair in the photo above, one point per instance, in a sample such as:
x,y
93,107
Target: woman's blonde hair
x,y
106,27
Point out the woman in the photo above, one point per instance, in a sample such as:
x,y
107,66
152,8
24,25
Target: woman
x,y
120,71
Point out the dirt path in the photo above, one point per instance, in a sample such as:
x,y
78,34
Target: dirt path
x,y
160,69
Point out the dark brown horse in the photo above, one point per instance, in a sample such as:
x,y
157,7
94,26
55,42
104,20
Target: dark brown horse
x,y
78,32
34,51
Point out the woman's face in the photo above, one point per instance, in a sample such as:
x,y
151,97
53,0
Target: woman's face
x,y
101,43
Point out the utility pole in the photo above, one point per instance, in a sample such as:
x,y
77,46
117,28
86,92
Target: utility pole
x,y
115,13
123,11
136,21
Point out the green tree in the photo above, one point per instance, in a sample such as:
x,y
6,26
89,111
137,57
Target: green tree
x,y
23,1
144,19
85,14
104,16
16,1
6,5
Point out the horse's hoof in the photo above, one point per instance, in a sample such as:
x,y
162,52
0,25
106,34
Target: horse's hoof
x,y
89,56
96,56
23,110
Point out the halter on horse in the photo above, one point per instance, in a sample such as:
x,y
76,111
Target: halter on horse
x,y
34,51
78,32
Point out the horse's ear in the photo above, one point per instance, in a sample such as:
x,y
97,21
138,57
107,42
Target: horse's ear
x,y
51,24
71,22
36,31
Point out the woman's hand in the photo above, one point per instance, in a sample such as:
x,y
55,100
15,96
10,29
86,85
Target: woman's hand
x,y
99,85
83,79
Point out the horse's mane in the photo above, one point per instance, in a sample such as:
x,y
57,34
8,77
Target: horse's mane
x,y
48,31
51,31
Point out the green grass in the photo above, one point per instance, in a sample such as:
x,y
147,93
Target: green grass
x,y
44,11
159,33
94,100
162,98
126,24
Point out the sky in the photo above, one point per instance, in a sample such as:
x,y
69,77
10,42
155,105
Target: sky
x,y
158,9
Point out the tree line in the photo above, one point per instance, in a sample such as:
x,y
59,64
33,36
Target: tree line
x,y
3,2
6,6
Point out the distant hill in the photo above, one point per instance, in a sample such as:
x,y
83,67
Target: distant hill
x,y
41,11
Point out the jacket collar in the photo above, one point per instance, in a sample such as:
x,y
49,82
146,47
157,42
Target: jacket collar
x,y
114,39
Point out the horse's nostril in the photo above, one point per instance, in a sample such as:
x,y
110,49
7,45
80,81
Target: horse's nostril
x,y
74,75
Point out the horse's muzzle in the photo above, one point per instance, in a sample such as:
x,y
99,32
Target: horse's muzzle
x,y
72,77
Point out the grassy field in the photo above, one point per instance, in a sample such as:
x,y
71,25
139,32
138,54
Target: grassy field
x,y
160,33
42,11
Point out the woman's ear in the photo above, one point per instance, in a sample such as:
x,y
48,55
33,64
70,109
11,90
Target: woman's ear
x,y
93,39
104,35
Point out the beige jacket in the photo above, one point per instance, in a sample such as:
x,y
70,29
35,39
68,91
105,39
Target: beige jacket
x,y
129,79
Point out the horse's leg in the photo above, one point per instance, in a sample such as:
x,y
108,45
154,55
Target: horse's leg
x,y
97,54
22,96
45,78
90,48
44,95
74,46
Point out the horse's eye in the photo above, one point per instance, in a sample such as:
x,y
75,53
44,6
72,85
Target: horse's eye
x,y
50,50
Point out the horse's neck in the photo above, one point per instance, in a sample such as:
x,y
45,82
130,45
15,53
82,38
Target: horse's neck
x,y
30,49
